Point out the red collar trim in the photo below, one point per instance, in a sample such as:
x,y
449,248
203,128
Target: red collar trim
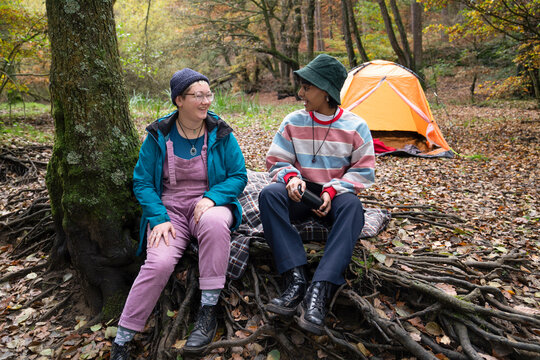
x,y
334,119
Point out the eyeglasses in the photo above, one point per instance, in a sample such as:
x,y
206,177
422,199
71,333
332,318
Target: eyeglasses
x,y
199,96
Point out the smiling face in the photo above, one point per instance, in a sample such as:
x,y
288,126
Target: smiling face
x,y
190,108
314,99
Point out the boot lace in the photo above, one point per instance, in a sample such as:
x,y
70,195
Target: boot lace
x,y
204,319
317,300
289,293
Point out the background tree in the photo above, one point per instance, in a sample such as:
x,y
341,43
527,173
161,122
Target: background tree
x,y
347,33
416,29
402,34
356,31
149,48
95,150
402,58
310,28
22,40
515,19
318,26
272,30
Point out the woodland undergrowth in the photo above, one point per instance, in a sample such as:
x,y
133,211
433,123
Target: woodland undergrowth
x,y
455,274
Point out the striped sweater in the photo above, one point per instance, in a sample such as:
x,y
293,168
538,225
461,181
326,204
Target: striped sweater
x,y
344,160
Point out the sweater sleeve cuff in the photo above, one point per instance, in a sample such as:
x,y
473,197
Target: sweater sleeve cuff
x,y
331,191
288,176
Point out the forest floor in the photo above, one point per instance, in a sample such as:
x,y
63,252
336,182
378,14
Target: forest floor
x,y
488,196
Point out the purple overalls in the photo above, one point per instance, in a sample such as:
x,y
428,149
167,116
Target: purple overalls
x,y
184,183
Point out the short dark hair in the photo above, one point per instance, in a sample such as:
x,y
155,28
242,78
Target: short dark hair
x,y
331,102
303,81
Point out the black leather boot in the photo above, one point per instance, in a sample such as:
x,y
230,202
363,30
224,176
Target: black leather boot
x,y
119,352
295,282
204,331
313,308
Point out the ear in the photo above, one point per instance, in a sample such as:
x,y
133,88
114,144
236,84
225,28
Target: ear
x,y
179,100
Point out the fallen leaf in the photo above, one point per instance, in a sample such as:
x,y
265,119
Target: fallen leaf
x,y
110,332
255,348
46,352
526,310
233,300
441,356
80,323
241,334
446,340
179,344
406,268
380,257
447,288
434,329
24,315
363,349
273,355
487,357
417,322
321,354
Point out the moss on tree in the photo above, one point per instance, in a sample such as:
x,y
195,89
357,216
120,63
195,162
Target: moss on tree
x,y
96,146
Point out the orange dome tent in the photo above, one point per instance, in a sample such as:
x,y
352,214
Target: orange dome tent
x,y
391,100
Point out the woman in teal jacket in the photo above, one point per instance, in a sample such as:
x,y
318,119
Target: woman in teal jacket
x,y
187,179
227,174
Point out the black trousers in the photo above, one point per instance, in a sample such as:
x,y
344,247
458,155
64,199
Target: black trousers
x,y
347,219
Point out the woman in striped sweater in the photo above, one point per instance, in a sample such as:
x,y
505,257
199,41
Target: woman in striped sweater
x,y
328,151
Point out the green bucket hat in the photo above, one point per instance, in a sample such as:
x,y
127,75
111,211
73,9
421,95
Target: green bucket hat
x,y
326,73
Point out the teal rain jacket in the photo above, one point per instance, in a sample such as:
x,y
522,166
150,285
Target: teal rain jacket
x,y
227,174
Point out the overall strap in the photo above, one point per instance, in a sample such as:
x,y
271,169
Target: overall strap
x,y
170,160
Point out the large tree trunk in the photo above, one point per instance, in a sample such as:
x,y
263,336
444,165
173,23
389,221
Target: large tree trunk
x,y
356,32
390,32
416,28
347,33
95,149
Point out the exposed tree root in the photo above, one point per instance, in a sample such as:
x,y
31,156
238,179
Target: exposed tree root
x,y
424,305
21,273
466,325
57,307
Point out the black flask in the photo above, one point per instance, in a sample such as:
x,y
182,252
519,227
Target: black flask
x,y
310,199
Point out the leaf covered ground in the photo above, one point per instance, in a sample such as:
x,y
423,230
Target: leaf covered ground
x,y
481,207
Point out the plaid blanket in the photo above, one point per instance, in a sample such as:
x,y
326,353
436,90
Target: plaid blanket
x,y
310,229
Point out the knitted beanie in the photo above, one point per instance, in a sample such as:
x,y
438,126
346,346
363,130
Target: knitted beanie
x,y
182,79
326,73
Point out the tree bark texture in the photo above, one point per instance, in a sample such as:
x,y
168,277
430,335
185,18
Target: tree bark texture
x,y
390,32
356,32
318,26
416,28
347,34
290,32
310,28
90,173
